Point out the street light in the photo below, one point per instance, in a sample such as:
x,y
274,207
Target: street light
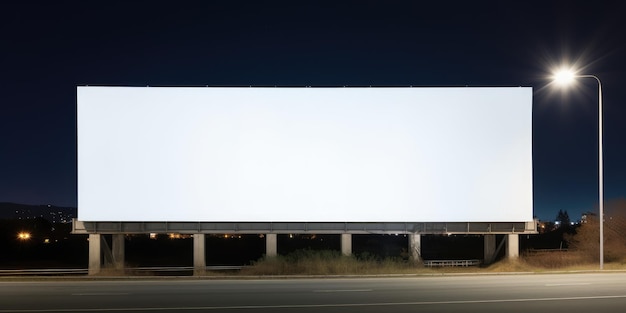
x,y
567,76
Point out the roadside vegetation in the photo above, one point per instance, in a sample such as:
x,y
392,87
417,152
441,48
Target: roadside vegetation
x,y
580,251
326,262
332,264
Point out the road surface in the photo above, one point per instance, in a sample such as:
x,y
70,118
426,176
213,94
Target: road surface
x,y
588,292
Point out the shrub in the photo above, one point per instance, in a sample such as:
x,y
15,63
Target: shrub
x,y
325,262
586,241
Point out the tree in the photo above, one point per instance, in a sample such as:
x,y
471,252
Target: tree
x,y
564,221
586,241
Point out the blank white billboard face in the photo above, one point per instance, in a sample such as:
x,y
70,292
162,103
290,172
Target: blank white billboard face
x,y
305,154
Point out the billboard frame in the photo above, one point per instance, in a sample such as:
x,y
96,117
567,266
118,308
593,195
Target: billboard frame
x,y
448,228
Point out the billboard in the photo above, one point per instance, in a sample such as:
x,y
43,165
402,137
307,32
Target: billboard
x,y
230,154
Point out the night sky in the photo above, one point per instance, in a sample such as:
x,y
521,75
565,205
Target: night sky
x,y
50,47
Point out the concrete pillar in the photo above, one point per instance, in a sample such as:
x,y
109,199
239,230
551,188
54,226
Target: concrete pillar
x,y
415,248
271,245
118,251
346,244
95,254
512,246
489,249
199,256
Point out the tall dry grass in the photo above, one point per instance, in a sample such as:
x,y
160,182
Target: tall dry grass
x,y
586,241
309,262
555,260
333,263
584,244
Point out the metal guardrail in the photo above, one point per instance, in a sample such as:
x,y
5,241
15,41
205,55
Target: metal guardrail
x,y
450,263
84,271
537,251
44,272
184,268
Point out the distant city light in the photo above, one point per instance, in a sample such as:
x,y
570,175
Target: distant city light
x,y
23,235
179,236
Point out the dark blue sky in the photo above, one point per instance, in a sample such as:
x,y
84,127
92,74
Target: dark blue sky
x,y
50,47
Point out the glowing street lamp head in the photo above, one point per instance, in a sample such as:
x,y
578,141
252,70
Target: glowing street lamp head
x,y
564,76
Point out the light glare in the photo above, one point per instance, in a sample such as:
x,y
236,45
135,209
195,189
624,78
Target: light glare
x,y
564,77
23,236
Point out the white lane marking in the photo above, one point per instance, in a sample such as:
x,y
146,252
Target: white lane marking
x,y
303,306
101,294
567,284
342,290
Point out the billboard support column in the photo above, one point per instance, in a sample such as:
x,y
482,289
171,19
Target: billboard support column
x,y
271,245
512,246
346,244
95,254
489,248
118,251
415,248
199,256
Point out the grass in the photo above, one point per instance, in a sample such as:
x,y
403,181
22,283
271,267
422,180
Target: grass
x,y
306,262
333,263
558,260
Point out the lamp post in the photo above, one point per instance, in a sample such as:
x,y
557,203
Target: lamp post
x,y
565,77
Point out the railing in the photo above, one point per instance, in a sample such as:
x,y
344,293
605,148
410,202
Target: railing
x,y
538,251
449,263
184,268
84,271
44,272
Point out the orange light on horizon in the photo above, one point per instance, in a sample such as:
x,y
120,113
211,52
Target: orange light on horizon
x,y
23,235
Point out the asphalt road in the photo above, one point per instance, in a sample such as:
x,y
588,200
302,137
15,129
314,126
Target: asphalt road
x,y
590,293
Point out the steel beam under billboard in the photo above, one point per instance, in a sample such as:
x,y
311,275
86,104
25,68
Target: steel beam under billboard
x,y
304,154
